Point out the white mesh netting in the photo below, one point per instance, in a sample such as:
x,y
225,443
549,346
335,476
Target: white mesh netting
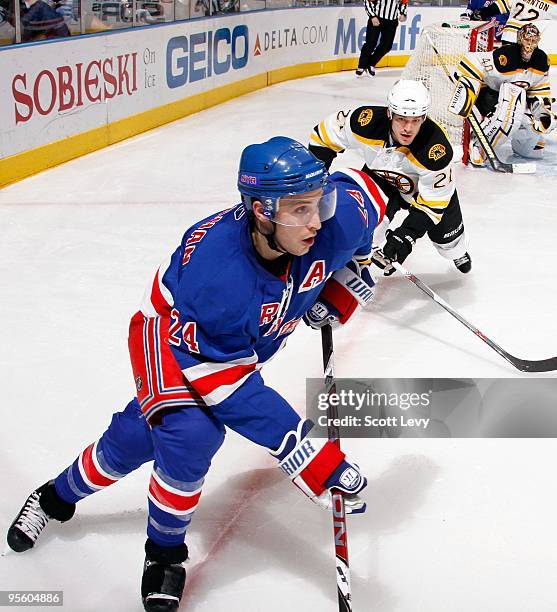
x,y
452,41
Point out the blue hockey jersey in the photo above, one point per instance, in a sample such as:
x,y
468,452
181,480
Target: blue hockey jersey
x,y
230,315
488,13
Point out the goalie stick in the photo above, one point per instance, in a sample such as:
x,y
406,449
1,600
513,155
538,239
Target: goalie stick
x,y
475,120
524,365
339,514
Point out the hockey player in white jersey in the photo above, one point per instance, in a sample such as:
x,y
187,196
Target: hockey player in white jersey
x,y
520,12
510,87
410,156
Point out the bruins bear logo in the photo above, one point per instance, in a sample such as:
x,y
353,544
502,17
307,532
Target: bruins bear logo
x,y
365,116
402,182
503,60
437,152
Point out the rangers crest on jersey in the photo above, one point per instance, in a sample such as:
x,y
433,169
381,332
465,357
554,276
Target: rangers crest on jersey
x,y
365,116
436,152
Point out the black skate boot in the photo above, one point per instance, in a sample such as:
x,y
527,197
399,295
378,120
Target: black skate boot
x,y
464,263
42,505
164,577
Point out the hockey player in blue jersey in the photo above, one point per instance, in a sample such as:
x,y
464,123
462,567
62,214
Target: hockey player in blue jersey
x,y
484,10
220,307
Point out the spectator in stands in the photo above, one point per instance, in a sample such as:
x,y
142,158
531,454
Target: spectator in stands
x,y
383,19
40,20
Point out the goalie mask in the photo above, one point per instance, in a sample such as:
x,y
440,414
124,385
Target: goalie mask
x,y
528,38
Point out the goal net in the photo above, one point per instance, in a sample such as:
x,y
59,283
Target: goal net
x,y
452,41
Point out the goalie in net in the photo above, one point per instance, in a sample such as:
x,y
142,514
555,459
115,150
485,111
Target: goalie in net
x,y
453,42
510,88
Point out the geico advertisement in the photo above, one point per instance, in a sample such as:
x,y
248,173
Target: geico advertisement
x,y
260,45
55,90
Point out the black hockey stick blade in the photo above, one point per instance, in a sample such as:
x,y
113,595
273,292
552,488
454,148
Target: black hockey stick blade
x,y
524,365
542,365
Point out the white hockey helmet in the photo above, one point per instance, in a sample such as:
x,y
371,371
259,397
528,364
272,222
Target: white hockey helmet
x,y
409,98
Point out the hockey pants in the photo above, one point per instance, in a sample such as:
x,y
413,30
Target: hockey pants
x,y
166,423
169,424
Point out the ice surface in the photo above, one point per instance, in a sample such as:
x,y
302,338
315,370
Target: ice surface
x,y
460,525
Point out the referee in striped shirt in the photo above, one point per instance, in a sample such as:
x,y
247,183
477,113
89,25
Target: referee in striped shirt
x,y
383,19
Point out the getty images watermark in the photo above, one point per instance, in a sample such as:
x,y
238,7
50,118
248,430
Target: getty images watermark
x,y
435,408
365,401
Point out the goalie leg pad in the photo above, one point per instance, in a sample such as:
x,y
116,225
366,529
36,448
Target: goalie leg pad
x,y
508,115
463,98
528,143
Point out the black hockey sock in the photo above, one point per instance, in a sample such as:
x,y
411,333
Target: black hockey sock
x,y
54,506
165,554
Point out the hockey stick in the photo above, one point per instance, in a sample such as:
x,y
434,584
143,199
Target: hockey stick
x,y
339,513
475,120
524,365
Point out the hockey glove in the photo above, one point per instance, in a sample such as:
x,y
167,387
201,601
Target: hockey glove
x,y
544,120
316,466
397,248
352,285
321,314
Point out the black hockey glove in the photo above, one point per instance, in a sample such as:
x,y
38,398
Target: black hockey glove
x,y
397,248
399,244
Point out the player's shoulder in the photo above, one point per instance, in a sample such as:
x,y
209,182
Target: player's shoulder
x,y
361,206
431,148
507,58
371,123
539,60
217,263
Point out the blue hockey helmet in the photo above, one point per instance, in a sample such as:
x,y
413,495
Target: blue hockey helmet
x,y
283,167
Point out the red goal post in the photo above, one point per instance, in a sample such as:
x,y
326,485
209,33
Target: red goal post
x,y
453,41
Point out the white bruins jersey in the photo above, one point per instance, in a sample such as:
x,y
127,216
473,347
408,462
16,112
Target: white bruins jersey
x,y
525,11
505,65
421,172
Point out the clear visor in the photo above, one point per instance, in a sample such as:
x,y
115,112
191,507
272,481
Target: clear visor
x,y
305,208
